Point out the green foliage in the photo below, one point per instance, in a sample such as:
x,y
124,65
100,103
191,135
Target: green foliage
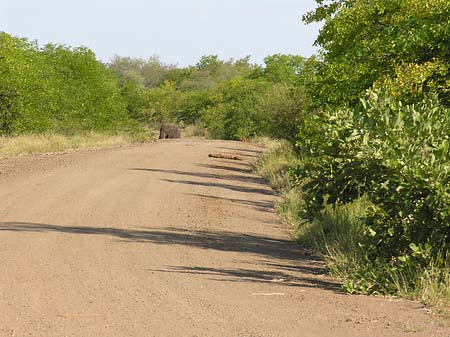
x,y
233,99
365,41
237,111
410,82
398,155
210,72
390,148
144,73
160,103
193,104
137,77
56,88
286,106
281,68
168,104
210,63
15,62
339,232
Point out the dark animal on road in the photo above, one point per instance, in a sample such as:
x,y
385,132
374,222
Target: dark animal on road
x,y
169,131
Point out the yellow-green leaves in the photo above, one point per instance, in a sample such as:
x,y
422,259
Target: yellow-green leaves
x,y
399,45
56,88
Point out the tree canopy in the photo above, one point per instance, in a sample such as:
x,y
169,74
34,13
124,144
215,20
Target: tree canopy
x,y
403,43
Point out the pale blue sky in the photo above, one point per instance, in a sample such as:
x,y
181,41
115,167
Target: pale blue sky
x,y
179,31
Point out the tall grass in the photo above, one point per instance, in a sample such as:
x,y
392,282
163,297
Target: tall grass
x,y
433,287
195,130
274,165
337,234
45,143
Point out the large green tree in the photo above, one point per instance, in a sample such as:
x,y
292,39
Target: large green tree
x,y
402,44
282,68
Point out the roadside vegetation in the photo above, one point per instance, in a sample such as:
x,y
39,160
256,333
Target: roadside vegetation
x,y
361,154
50,143
369,186
55,97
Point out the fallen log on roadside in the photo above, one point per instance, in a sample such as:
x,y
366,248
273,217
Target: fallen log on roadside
x,y
223,156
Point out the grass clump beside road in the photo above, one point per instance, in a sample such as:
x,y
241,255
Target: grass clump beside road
x,y
339,232
274,165
47,143
194,131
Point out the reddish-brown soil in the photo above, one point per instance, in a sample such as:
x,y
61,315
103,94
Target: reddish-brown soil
x,y
162,240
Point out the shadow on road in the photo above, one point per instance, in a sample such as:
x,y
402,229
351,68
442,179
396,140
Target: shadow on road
x,y
215,240
261,276
236,188
235,177
262,206
227,168
291,255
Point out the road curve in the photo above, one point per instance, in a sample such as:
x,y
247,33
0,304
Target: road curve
x,y
162,240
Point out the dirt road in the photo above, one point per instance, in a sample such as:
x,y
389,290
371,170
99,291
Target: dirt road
x,y
161,240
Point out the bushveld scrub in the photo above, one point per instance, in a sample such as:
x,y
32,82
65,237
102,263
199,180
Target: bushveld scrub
x,y
55,98
398,156
384,155
66,91
393,38
369,190
231,99
238,110
56,89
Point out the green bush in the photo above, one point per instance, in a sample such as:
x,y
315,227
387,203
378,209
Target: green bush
x,y
367,41
286,106
233,99
56,88
398,155
238,110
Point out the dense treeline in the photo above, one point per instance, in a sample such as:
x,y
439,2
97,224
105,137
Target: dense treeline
x,y
233,99
56,88
401,46
67,90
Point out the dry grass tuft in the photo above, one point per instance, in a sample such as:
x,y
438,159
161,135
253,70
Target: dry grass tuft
x,y
194,131
31,144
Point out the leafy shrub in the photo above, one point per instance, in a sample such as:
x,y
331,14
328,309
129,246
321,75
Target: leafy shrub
x,y
233,99
398,155
286,105
366,41
56,88
238,109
